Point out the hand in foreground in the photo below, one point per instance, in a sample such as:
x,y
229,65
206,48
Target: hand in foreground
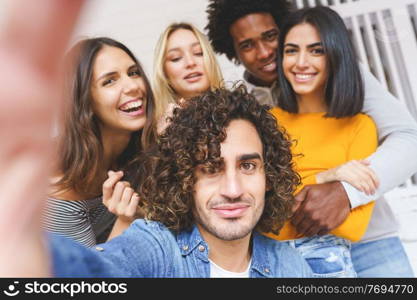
x,y
320,208
32,43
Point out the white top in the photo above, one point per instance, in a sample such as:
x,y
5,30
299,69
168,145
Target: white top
x,y
219,272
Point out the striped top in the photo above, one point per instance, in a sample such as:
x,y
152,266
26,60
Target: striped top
x,y
82,221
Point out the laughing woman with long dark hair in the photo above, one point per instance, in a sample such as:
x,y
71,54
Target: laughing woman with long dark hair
x,y
107,123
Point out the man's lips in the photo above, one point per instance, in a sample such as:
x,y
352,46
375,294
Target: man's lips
x,y
231,211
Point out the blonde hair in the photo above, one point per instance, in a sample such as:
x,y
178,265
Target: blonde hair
x,y
164,93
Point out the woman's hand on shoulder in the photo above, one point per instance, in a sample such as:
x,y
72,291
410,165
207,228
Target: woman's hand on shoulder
x,y
164,122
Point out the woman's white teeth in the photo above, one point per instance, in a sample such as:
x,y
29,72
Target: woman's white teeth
x,y
304,76
132,106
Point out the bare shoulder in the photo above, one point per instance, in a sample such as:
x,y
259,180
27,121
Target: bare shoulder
x,y
57,192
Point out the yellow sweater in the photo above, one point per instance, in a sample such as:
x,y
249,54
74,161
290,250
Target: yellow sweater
x,y
326,143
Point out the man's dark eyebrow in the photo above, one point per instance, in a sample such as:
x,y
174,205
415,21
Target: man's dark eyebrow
x,y
250,156
245,41
273,30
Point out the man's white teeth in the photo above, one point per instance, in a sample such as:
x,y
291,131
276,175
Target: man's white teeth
x,y
304,76
269,67
135,105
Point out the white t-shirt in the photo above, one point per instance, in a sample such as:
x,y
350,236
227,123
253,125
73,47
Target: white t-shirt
x,y
219,272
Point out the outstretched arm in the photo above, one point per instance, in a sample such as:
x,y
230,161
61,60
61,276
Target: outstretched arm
x,y
32,43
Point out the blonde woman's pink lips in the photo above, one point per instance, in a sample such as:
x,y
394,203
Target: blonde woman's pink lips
x,y
194,77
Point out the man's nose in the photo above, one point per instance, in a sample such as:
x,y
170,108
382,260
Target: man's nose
x,y
231,186
264,51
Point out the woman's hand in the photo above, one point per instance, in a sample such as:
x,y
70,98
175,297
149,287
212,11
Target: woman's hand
x,y
119,198
355,172
163,122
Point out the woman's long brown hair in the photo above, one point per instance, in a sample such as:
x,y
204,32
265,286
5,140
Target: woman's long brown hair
x,y
80,144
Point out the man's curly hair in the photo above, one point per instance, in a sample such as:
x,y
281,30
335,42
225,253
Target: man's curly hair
x,y
193,138
223,13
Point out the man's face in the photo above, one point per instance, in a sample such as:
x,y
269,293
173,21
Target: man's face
x,y
255,39
230,202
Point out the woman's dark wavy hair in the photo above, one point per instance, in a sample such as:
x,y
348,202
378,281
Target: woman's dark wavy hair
x,y
193,138
80,145
344,91
223,13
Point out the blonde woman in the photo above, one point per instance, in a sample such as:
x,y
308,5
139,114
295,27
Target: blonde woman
x,y
184,67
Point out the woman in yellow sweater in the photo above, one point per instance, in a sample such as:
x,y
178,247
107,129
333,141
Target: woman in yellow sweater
x,y
321,99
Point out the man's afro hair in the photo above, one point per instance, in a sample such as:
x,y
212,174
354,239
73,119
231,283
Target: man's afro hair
x,y
223,13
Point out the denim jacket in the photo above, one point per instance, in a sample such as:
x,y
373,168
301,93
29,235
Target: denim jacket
x,y
149,249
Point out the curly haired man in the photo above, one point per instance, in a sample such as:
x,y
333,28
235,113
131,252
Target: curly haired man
x,y
221,172
246,31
